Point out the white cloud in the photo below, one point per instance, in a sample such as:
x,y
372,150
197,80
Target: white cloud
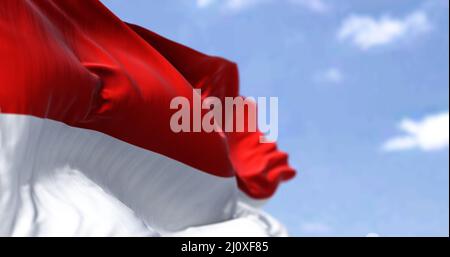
x,y
372,235
318,6
366,32
240,4
331,75
315,228
429,134
235,5
204,3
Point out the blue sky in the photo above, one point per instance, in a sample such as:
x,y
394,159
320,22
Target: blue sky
x,y
363,90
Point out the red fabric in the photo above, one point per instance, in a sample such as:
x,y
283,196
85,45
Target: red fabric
x,y
75,62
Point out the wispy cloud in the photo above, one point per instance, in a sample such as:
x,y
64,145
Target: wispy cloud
x,y
241,4
366,32
429,134
315,228
235,5
204,3
318,6
331,75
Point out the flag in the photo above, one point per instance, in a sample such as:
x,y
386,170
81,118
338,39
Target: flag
x,y
85,137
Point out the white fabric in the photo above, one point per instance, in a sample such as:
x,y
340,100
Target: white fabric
x,y
57,180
